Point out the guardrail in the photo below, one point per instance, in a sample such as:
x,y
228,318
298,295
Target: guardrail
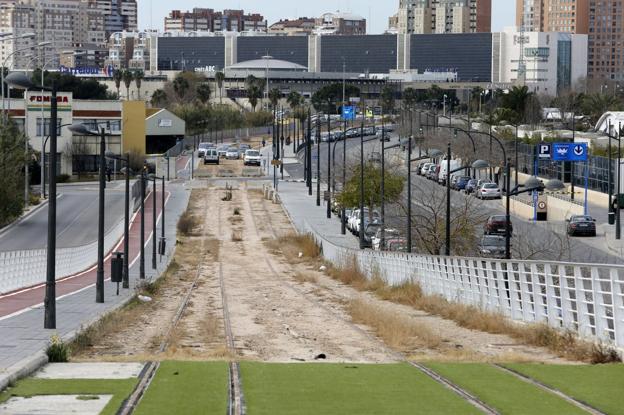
x,y
585,298
19,269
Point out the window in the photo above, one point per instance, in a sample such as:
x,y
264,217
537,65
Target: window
x,y
46,127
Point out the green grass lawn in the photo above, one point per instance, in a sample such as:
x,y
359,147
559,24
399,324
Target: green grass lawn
x,y
187,388
120,389
502,391
302,389
601,386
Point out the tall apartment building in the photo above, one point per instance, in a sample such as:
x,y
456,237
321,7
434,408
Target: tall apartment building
x,y
293,27
606,41
571,16
209,20
120,15
67,24
444,16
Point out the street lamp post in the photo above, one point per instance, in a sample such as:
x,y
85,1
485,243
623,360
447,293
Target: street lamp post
x,y
329,152
318,161
142,232
409,188
309,153
361,233
126,160
448,201
343,219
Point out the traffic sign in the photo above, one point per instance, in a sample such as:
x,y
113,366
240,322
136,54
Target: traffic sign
x,y
348,112
544,150
569,152
276,162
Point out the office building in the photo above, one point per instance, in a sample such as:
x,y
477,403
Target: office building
x,y
209,20
571,16
606,41
444,16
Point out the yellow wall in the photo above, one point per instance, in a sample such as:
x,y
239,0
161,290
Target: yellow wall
x,y
133,126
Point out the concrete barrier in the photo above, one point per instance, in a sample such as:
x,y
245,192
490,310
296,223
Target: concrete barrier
x,y
519,208
560,210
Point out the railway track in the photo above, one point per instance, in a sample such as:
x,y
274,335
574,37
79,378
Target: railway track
x,y
236,402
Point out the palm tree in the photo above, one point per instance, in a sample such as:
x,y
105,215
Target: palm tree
x,y
274,96
203,93
220,77
253,94
410,97
294,100
180,86
387,99
117,77
139,75
128,77
516,100
159,97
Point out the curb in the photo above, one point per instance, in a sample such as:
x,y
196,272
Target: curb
x,y
26,216
22,369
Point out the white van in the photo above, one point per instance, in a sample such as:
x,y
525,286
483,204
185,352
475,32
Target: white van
x,y
455,164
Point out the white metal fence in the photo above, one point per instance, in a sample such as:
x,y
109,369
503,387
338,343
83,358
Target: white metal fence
x,y
585,298
19,269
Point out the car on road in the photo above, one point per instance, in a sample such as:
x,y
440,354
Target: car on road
x,y
432,173
461,183
495,225
382,237
369,233
425,168
492,246
489,191
252,158
396,245
232,153
471,186
581,225
222,150
211,156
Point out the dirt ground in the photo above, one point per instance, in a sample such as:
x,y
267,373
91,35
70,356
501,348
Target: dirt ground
x,y
280,310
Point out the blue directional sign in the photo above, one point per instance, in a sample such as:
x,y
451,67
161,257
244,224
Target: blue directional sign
x,y
348,112
569,152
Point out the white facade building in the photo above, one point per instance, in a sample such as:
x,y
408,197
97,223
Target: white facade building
x,y
554,61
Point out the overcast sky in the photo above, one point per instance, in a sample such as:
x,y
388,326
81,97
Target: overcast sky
x,y
152,12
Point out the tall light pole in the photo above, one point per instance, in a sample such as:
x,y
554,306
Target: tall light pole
x,y
4,63
329,152
361,233
343,219
126,160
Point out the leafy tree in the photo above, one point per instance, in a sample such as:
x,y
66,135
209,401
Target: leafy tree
x,y
327,98
81,88
128,77
387,99
12,161
220,78
594,105
180,86
274,96
118,77
517,100
159,98
203,93
139,75
393,187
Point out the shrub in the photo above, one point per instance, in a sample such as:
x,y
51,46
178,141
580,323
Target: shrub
x,y
187,223
34,200
57,351
63,178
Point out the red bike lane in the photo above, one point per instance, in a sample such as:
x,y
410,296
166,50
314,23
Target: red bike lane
x,y
26,298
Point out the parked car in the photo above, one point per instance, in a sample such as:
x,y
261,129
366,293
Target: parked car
x,y
232,153
355,219
211,156
382,237
244,147
492,246
432,174
252,158
471,186
369,232
495,225
202,149
442,173
461,183
222,150
425,168
489,191
397,245
581,225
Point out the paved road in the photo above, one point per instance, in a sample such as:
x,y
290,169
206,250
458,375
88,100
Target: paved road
x,y
77,213
589,250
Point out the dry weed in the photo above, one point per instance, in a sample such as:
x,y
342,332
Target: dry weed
x,y
237,235
291,245
396,331
304,277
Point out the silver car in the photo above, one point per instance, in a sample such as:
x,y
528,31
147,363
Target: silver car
x,y
489,191
232,153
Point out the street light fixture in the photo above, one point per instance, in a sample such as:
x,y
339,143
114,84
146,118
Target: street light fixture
x,y
21,81
82,129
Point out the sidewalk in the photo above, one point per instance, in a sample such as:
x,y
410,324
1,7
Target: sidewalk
x,y
21,323
305,214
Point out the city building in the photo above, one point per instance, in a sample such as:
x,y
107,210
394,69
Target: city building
x,y
554,61
570,16
444,16
120,15
339,23
606,41
209,20
294,27
132,50
393,24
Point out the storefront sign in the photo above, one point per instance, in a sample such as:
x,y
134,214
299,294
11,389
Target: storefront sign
x,y
36,101
165,123
89,71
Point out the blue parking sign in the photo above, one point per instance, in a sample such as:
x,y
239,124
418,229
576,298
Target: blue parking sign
x,y
569,152
348,112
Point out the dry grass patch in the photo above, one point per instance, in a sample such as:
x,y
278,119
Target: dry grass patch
x,y
304,277
292,245
187,224
237,235
396,331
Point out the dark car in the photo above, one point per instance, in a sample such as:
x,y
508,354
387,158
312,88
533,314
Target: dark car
x,y
581,225
369,232
471,186
492,246
461,182
495,225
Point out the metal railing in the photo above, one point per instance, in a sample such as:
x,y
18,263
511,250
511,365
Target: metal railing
x,y
585,298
